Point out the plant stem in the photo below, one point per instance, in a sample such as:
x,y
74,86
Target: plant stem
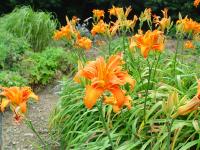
x,y
30,126
1,135
175,57
169,126
155,69
109,46
147,90
104,123
123,38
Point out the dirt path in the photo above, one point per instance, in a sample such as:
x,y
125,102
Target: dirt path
x,y
19,137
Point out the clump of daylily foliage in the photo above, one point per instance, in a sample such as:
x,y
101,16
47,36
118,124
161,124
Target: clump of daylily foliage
x,y
153,75
144,95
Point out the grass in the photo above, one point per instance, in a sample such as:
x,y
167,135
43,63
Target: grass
x,y
36,27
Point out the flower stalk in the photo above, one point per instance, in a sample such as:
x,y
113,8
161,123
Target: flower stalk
x,y
169,127
30,126
156,65
109,46
147,89
1,135
175,57
100,107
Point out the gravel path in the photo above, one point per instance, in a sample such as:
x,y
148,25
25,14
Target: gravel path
x,y
20,137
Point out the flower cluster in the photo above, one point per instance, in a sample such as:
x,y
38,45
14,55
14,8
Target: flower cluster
x,y
73,35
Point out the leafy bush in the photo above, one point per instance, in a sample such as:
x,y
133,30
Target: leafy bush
x,y
11,49
9,78
36,27
40,68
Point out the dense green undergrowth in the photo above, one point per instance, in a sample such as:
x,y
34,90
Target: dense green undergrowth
x,y
27,52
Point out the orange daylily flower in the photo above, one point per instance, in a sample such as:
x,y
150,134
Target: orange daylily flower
x,y
119,12
67,31
84,42
191,105
105,76
188,26
116,11
99,28
196,2
189,45
98,13
113,101
128,24
64,32
106,29
17,97
165,22
122,21
151,40
146,15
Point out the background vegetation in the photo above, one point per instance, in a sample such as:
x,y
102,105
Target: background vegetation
x,y
27,54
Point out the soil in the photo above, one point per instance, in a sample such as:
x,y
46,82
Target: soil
x,y
19,136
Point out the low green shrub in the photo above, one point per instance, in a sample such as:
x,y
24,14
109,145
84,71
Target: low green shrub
x,y
36,27
11,49
9,78
41,67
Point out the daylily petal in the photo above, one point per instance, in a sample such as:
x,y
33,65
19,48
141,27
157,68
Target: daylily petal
x,y
91,96
119,95
4,103
114,61
110,100
130,80
127,102
11,93
34,96
144,51
23,107
198,89
90,70
116,108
